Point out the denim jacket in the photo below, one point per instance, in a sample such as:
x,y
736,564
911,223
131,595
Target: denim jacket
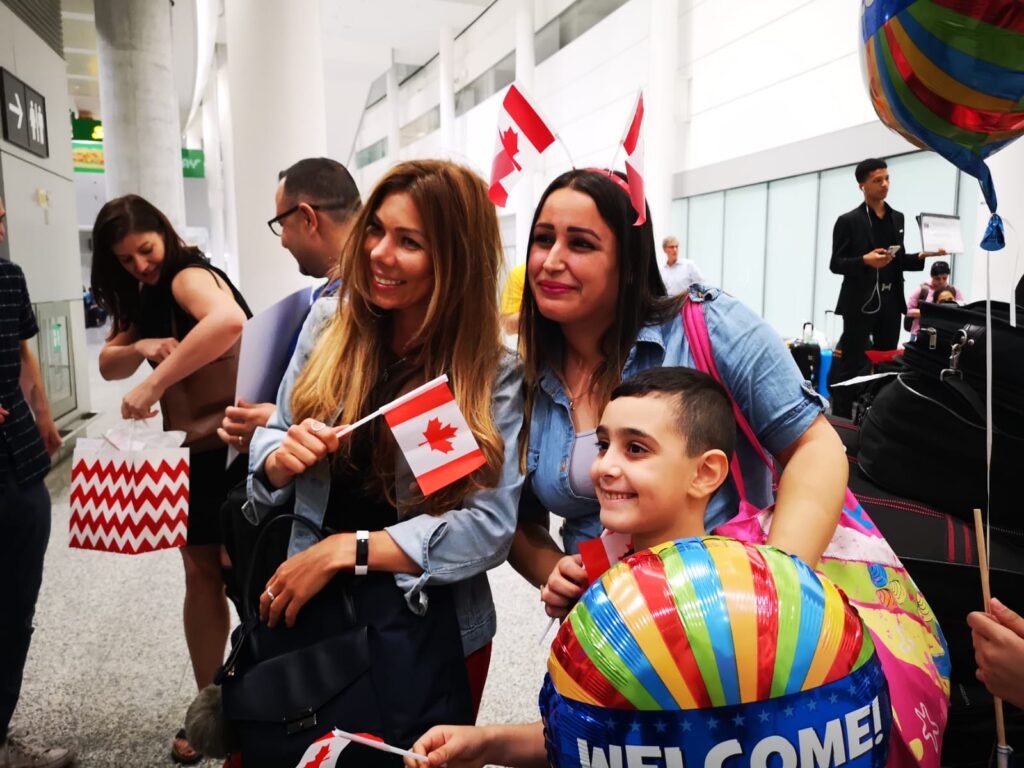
x,y
456,547
756,368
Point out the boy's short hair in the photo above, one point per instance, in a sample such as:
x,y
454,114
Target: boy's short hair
x,y
703,408
866,167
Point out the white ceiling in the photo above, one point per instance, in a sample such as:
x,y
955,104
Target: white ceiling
x,y
79,25
408,27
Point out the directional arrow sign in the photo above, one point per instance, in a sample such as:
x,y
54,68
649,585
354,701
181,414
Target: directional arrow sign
x,y
16,109
19,115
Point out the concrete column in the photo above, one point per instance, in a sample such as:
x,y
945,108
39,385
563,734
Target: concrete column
x,y
1007,264
446,78
210,119
525,58
394,116
142,135
659,113
527,194
276,92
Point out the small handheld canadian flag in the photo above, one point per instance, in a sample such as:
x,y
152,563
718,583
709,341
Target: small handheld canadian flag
x,y
324,752
522,138
633,143
432,433
602,553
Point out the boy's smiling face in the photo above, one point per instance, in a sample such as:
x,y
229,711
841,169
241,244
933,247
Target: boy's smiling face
x,y
646,483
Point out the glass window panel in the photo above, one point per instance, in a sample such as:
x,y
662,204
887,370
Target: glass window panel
x,y
837,194
372,153
921,182
970,206
704,234
789,269
743,249
426,123
677,228
581,16
486,84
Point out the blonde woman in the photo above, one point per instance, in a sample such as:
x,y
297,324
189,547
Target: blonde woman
x,y
419,278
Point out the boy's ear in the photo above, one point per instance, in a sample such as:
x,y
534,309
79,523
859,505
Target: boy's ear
x,y
712,469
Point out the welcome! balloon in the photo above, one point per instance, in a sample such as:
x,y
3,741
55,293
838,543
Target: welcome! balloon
x,y
705,650
948,75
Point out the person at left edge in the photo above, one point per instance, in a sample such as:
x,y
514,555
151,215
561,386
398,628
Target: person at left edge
x,y
315,203
173,309
26,444
868,251
419,297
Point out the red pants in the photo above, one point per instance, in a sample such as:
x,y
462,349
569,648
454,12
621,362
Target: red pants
x,y
477,665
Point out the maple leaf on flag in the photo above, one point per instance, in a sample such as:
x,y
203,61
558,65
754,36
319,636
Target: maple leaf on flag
x,y
439,437
510,143
320,758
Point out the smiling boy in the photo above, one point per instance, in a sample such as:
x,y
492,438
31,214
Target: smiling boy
x,y
664,444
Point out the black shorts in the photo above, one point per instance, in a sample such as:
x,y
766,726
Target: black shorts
x,y
209,481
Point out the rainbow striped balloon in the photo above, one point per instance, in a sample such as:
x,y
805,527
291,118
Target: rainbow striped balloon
x,y
705,622
948,75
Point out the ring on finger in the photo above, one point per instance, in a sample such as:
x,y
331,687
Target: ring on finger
x,y
270,594
317,426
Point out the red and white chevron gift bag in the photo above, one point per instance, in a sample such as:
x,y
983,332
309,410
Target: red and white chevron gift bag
x,y
128,501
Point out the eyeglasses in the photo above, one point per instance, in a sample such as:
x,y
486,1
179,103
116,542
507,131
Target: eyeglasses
x,y
275,223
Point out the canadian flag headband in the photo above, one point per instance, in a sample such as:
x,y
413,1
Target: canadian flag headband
x,y
523,136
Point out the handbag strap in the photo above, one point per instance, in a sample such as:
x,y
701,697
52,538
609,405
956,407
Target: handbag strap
x,y
249,609
696,330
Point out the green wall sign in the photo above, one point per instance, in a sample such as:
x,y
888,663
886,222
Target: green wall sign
x,y
88,158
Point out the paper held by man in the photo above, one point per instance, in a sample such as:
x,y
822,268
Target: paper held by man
x,y
940,232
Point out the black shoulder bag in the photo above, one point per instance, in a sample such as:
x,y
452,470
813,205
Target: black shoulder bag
x,y
924,436
357,658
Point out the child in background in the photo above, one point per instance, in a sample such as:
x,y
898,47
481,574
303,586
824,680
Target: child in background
x,y
664,444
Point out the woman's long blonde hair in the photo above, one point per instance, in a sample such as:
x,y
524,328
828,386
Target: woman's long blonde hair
x,y
460,334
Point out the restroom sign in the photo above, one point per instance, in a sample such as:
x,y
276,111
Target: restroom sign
x,y
24,115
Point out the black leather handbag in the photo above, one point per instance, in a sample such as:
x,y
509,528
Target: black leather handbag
x,y
951,347
357,658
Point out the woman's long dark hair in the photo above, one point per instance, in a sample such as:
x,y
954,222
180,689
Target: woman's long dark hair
x,y
640,301
113,288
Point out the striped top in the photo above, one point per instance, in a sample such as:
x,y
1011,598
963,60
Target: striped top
x,y
21,447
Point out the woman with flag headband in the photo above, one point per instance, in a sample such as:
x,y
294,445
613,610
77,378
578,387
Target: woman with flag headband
x,y
595,312
433,507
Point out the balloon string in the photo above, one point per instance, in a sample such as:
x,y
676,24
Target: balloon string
x,y
988,400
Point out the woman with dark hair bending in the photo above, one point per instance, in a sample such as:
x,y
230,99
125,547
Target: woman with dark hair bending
x,y
172,308
595,312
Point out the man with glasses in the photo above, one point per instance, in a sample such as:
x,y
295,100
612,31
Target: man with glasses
x,y
316,203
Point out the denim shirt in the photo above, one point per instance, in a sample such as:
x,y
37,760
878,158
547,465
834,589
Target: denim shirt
x,y
456,547
755,367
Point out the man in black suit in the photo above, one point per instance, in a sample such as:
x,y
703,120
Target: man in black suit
x,y
867,250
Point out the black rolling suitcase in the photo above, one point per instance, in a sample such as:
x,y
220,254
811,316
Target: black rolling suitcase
x,y
807,355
